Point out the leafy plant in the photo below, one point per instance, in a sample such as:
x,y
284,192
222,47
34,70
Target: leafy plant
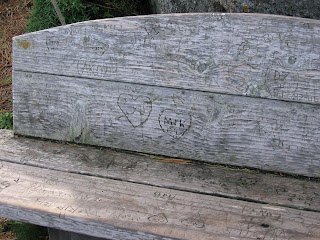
x,y
44,16
116,8
6,81
25,231
6,120
4,225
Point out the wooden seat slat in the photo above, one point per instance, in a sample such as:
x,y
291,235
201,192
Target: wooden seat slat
x,y
121,210
163,172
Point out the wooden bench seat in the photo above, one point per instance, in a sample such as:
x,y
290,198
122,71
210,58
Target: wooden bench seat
x,y
182,126
120,195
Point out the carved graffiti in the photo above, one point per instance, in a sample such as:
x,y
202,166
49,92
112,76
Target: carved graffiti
x,y
96,69
92,44
54,42
4,185
159,218
174,123
291,86
164,196
136,109
238,76
194,221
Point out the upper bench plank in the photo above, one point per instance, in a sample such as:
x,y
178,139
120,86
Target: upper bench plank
x,y
256,55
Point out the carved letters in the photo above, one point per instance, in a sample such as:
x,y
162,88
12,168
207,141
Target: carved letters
x,y
233,54
174,123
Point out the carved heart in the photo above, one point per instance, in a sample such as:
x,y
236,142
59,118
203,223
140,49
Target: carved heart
x,y
160,218
282,83
176,124
136,109
238,76
193,221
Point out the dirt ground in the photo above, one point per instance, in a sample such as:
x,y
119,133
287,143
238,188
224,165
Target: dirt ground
x,y
4,233
13,21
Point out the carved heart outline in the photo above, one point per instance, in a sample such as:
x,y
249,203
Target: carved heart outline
x,y
194,221
238,76
134,106
175,124
159,218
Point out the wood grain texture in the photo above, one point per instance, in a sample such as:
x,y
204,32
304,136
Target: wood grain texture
x,y
260,133
244,54
162,172
121,210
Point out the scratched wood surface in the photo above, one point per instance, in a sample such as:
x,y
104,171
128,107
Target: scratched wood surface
x,y
260,133
158,171
256,55
122,210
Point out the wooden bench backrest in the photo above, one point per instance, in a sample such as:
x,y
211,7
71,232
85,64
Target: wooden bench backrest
x,y
239,89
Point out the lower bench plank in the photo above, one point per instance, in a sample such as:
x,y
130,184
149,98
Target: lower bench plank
x,y
122,210
163,172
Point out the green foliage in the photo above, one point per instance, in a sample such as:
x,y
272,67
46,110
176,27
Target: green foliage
x,y
6,81
116,8
43,15
25,231
6,120
4,225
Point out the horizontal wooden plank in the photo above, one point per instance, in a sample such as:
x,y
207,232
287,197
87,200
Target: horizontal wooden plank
x,y
163,172
244,54
121,210
260,133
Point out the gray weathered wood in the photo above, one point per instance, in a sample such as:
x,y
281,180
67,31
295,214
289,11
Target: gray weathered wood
x,y
244,54
174,85
121,210
163,172
260,133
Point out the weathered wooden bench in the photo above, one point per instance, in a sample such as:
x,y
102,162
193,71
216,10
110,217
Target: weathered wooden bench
x,y
184,126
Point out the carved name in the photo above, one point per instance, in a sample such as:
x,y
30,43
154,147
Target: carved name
x,y
174,123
